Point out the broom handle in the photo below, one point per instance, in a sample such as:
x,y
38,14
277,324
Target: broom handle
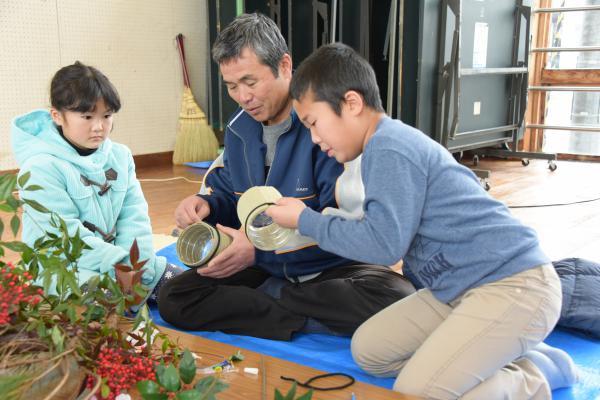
x,y
186,77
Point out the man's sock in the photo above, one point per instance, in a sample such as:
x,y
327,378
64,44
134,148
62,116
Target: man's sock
x,y
556,365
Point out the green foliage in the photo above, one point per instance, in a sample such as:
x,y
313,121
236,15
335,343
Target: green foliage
x,y
187,367
238,356
10,384
209,387
82,320
67,318
291,394
171,380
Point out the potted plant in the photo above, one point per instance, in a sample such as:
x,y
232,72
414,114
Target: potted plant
x,y
62,341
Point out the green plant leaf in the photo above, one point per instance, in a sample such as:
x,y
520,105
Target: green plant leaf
x,y
7,186
19,247
57,338
12,202
15,223
36,206
41,330
191,394
104,390
148,387
11,383
6,208
155,396
238,356
1,228
94,312
306,396
187,367
292,393
278,395
169,379
72,314
160,368
144,313
27,256
209,387
33,188
24,178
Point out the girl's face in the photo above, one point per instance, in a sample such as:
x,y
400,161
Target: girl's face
x,y
86,130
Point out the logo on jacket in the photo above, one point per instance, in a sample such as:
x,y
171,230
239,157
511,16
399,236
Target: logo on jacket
x,y
299,187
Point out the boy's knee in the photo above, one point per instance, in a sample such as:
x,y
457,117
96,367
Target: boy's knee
x,y
410,386
364,350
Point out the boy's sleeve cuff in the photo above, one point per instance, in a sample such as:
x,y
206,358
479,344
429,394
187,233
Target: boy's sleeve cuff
x,y
308,221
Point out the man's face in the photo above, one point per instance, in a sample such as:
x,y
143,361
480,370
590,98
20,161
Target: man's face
x,y
255,88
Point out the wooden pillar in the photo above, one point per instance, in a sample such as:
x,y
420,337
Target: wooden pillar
x,y
536,100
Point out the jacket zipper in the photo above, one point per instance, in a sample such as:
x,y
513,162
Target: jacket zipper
x,y
245,155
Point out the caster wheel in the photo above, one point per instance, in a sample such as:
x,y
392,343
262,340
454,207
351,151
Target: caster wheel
x,y
475,160
525,162
486,186
458,156
552,165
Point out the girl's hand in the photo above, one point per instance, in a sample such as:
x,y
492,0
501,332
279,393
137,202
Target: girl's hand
x,y
286,212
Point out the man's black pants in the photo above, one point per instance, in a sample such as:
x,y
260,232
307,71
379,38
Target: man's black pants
x,y
340,298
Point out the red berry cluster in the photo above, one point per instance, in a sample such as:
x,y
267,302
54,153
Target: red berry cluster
x,y
122,369
15,289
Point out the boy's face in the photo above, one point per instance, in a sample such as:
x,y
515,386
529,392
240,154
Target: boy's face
x,y
255,88
86,130
338,136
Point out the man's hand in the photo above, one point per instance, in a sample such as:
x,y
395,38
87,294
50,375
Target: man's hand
x,y
234,258
191,209
286,212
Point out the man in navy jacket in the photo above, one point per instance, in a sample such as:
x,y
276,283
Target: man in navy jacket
x,y
301,287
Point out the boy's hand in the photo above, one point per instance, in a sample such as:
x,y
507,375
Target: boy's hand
x,y
286,212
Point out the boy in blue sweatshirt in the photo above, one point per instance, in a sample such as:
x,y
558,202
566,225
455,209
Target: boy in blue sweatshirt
x,y
489,296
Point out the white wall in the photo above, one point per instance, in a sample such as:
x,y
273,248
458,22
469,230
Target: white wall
x,y
131,41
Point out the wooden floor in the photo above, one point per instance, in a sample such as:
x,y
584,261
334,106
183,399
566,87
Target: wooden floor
x,y
565,231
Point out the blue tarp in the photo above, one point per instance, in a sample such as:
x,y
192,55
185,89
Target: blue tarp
x,y
332,353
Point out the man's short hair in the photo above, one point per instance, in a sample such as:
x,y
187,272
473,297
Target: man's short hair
x,y
256,32
330,72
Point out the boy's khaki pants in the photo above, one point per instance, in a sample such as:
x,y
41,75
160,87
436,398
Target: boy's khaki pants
x,y
470,348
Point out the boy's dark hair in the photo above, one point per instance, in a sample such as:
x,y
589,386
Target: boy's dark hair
x,y
256,32
78,87
330,72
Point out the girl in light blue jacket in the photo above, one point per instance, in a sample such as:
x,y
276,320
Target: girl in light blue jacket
x,y
88,180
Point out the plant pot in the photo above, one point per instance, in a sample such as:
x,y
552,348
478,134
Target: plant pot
x,y
57,379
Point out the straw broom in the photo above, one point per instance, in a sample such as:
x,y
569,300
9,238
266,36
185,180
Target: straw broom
x,y
195,139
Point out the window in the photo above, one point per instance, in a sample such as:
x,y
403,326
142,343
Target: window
x,y
564,98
